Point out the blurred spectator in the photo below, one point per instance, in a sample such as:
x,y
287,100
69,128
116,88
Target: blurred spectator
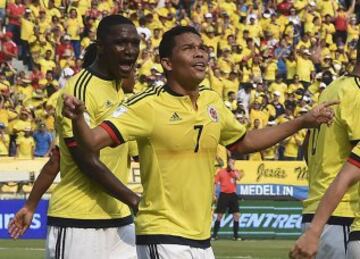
x,y
43,141
14,11
269,53
25,145
4,141
9,49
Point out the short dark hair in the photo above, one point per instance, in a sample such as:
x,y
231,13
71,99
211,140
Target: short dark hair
x,y
109,21
167,42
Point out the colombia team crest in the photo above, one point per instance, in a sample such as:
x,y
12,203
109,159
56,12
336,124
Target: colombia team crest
x,y
213,114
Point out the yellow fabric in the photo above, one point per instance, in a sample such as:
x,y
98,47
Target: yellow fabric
x,y
270,71
25,147
46,65
280,87
270,153
166,128
230,86
324,162
73,27
27,29
304,68
291,145
4,144
260,115
290,69
21,125
217,84
77,196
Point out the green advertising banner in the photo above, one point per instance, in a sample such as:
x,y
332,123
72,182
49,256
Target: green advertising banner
x,y
265,220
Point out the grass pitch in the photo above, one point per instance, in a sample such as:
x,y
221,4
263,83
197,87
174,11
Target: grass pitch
x,y
224,249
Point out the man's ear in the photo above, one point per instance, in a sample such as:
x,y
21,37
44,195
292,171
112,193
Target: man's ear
x,y
166,64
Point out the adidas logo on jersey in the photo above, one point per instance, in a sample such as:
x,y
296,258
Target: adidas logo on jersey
x,y
175,117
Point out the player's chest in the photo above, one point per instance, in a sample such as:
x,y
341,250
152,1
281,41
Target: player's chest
x,y
105,104
187,129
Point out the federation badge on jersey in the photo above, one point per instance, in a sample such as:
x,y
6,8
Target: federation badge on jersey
x,y
213,114
119,111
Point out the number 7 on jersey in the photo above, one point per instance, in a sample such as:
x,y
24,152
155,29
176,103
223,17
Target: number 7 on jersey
x,y
199,129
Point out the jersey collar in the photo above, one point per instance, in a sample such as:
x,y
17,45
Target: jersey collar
x,y
170,91
95,73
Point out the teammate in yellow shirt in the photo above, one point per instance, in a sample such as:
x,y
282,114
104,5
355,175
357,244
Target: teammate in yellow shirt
x,y
178,128
97,225
328,150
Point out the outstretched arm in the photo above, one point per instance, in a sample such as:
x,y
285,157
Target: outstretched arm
x,y
306,246
260,139
22,220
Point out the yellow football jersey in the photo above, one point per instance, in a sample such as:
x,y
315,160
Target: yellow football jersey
x,y
355,160
177,149
77,201
330,147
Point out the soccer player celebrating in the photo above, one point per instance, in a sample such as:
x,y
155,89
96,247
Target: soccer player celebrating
x,y
178,128
329,148
85,221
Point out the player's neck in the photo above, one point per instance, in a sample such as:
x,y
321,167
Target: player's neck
x,y
100,69
185,89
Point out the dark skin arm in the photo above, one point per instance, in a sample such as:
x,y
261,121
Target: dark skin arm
x,y
22,220
307,245
254,141
98,172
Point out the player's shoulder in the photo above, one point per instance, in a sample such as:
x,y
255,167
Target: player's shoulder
x,y
75,80
347,85
144,97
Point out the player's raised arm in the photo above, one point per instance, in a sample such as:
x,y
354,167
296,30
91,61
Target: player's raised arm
x,y
307,245
90,139
260,139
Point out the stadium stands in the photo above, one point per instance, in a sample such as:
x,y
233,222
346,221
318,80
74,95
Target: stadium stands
x,y
269,60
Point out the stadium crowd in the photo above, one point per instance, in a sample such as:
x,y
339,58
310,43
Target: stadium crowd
x,y
269,60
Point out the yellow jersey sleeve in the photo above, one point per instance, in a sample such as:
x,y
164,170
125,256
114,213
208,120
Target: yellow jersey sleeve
x,y
231,130
355,156
130,122
63,124
348,105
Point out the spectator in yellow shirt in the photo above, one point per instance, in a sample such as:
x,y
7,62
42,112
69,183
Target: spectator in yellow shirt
x,y
25,145
74,27
4,141
304,67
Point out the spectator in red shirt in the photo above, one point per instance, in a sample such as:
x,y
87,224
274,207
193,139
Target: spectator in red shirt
x,y
228,198
63,47
9,50
14,12
93,12
284,7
